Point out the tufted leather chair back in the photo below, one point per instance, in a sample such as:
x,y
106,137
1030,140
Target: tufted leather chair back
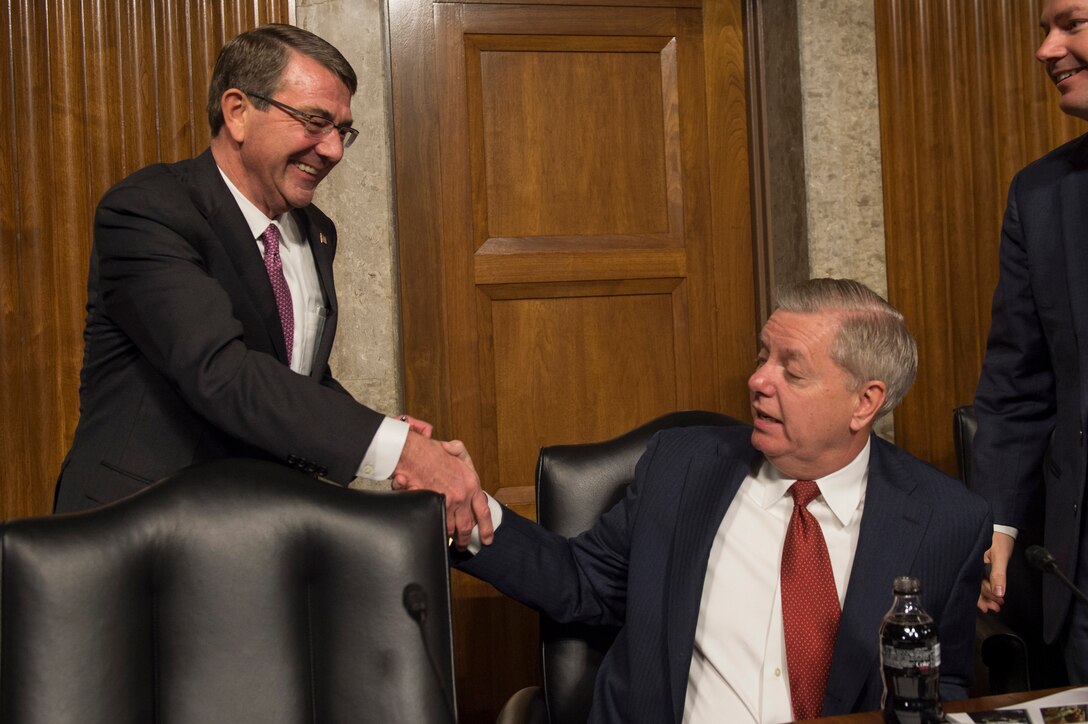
x,y
235,592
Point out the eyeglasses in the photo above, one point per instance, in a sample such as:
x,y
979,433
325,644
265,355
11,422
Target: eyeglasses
x,y
315,126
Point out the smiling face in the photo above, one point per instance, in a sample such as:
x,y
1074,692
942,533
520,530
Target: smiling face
x,y
1064,51
808,421
267,153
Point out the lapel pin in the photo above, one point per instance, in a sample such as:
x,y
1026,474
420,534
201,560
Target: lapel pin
x,y
321,237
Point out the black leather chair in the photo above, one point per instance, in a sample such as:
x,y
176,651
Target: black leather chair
x,y
235,591
1009,644
575,484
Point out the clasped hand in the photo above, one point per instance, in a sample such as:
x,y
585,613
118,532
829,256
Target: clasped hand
x,y
445,468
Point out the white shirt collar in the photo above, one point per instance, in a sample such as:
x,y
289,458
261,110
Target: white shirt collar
x,y
842,490
255,218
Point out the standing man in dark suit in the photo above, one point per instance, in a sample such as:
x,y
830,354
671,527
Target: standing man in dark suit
x,y
211,308
696,563
1032,398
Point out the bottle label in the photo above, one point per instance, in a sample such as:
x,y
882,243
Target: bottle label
x,y
921,658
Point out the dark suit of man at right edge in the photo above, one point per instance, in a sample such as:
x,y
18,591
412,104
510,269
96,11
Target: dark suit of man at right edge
x,y
696,563
1032,397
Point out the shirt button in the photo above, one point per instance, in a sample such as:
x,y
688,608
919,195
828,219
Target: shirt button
x,y
777,672
368,469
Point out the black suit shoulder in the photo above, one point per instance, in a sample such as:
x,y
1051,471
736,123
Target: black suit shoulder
x,y
705,440
1049,169
933,484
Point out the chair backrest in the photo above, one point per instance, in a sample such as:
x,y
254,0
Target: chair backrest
x,y
1012,665
234,591
964,426
575,485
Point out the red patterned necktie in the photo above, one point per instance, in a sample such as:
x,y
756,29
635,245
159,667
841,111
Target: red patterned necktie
x,y
274,266
810,605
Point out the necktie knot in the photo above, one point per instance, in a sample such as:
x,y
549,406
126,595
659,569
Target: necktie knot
x,y
271,238
804,492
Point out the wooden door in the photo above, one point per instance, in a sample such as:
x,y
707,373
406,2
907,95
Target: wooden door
x,y
574,221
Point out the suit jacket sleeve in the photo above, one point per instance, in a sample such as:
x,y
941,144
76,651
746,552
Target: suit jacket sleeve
x,y
162,272
957,619
1015,399
581,579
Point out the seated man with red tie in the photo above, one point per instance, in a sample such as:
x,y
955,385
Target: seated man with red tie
x,y
749,568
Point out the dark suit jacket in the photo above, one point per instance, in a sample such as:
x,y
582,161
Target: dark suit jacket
x,y
184,357
643,564
1031,402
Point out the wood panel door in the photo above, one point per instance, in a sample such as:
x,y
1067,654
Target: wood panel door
x,y
576,257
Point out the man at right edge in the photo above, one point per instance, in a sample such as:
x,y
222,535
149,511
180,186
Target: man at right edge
x,y
1032,397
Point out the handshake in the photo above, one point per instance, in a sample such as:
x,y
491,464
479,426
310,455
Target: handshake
x,y
445,467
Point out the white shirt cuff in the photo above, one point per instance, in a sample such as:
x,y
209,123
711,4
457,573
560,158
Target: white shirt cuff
x,y
1006,529
384,452
474,544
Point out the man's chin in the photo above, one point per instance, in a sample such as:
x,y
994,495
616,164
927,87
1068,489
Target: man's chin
x,y
302,197
1075,104
765,442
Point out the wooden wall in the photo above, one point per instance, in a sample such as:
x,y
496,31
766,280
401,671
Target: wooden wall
x,y
963,106
94,89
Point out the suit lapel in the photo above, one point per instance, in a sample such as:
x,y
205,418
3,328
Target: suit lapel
x,y
230,227
323,248
708,489
892,527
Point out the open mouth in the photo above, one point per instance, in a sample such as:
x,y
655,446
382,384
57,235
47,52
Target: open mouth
x,y
1065,74
763,417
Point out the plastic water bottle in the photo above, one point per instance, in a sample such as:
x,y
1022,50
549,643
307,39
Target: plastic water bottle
x,y
910,658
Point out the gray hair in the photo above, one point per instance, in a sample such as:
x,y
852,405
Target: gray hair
x,y
873,342
253,62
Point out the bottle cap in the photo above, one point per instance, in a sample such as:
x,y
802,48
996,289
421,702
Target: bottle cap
x,y
906,586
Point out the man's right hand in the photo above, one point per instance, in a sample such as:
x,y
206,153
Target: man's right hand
x,y
425,465
992,597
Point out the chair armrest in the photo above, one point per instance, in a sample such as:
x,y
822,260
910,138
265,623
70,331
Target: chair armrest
x,y
1004,654
526,706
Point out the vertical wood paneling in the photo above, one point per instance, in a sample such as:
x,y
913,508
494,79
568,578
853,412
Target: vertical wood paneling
x,y
95,89
963,106
724,42
13,397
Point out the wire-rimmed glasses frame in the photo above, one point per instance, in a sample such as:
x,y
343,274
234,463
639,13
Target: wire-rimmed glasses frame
x,y
314,125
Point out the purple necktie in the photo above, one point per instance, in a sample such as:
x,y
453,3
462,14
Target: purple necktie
x,y
274,266
810,605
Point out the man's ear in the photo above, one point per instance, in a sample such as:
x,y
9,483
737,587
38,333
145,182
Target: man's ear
x,y
236,113
870,398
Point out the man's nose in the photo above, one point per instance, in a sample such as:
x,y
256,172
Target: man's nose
x,y
758,382
331,147
1050,49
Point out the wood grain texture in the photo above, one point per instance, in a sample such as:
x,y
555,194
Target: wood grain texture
x,y
963,106
94,89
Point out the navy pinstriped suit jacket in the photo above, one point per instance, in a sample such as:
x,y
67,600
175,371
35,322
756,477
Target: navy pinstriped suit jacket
x,y
642,567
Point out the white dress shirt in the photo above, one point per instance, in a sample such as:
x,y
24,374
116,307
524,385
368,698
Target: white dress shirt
x,y
310,312
738,668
